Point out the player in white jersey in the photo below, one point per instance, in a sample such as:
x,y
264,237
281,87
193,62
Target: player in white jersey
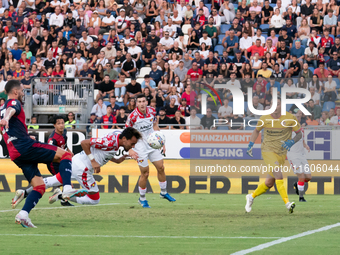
x,y
96,153
298,161
143,118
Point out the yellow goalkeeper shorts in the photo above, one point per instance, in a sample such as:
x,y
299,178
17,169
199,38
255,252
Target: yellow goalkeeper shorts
x,y
273,161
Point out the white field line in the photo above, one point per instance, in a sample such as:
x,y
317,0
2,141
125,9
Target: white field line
x,y
61,207
285,239
122,236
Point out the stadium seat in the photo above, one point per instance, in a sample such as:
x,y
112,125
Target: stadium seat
x,y
144,71
327,106
186,38
185,28
120,37
222,128
288,106
215,115
220,38
120,104
231,57
265,36
337,81
107,103
32,60
230,104
208,6
139,80
332,36
128,80
219,49
235,6
265,28
105,37
276,35
95,93
272,5
199,115
250,128
225,28
311,68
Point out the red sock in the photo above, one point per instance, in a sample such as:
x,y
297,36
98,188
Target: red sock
x,y
59,178
301,183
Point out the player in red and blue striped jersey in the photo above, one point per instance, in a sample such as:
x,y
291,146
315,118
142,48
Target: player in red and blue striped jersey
x,y
26,153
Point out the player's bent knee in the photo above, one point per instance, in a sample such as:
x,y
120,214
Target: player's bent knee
x,y
40,188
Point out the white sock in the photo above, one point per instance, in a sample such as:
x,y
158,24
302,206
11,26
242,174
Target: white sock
x,y
301,189
67,188
163,187
84,200
29,190
52,182
142,193
23,213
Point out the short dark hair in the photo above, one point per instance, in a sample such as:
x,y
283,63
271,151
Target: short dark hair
x,y
12,84
130,132
122,108
140,96
56,118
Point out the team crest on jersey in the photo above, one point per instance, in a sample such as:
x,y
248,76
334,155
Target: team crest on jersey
x,y
14,102
140,161
51,142
93,184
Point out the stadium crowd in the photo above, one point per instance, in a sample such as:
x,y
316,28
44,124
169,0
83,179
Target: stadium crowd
x,y
174,52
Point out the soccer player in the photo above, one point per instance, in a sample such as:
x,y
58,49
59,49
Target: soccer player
x,y
297,159
26,153
96,153
143,118
277,140
58,138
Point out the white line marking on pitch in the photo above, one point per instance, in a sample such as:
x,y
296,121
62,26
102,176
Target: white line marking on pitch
x,y
121,236
285,239
61,207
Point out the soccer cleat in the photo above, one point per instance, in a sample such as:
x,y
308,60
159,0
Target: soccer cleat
x,y
144,203
250,201
74,193
65,203
168,197
55,196
24,221
296,188
19,196
290,206
302,199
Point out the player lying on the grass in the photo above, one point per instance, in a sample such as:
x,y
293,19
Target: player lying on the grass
x,y
27,153
59,139
96,153
297,159
277,139
143,118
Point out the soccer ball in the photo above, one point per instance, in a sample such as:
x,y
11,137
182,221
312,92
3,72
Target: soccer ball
x,y
156,140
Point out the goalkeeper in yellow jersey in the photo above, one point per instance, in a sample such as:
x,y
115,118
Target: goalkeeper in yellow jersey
x,y
277,140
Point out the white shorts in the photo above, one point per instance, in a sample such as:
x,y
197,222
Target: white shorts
x,y
83,174
145,152
299,165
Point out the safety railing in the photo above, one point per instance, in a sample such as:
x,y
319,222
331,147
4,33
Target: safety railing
x,y
50,95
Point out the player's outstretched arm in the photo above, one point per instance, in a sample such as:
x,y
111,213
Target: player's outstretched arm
x,y
86,146
8,115
253,138
119,160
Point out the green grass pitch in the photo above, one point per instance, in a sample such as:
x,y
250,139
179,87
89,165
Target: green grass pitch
x,y
195,224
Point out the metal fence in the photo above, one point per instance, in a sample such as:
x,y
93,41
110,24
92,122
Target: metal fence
x,y
60,96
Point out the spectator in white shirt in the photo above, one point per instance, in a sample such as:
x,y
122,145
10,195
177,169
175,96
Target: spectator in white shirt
x,y
57,19
277,22
205,39
99,108
245,43
225,111
193,121
87,40
335,120
167,41
79,61
171,29
10,40
181,8
259,36
330,88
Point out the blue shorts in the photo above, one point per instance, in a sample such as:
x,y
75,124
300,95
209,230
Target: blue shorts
x,y
37,153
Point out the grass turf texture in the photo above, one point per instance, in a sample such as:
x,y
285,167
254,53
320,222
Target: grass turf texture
x,y
193,215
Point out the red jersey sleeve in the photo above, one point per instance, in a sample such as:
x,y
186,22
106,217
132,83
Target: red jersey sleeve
x,y
130,120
